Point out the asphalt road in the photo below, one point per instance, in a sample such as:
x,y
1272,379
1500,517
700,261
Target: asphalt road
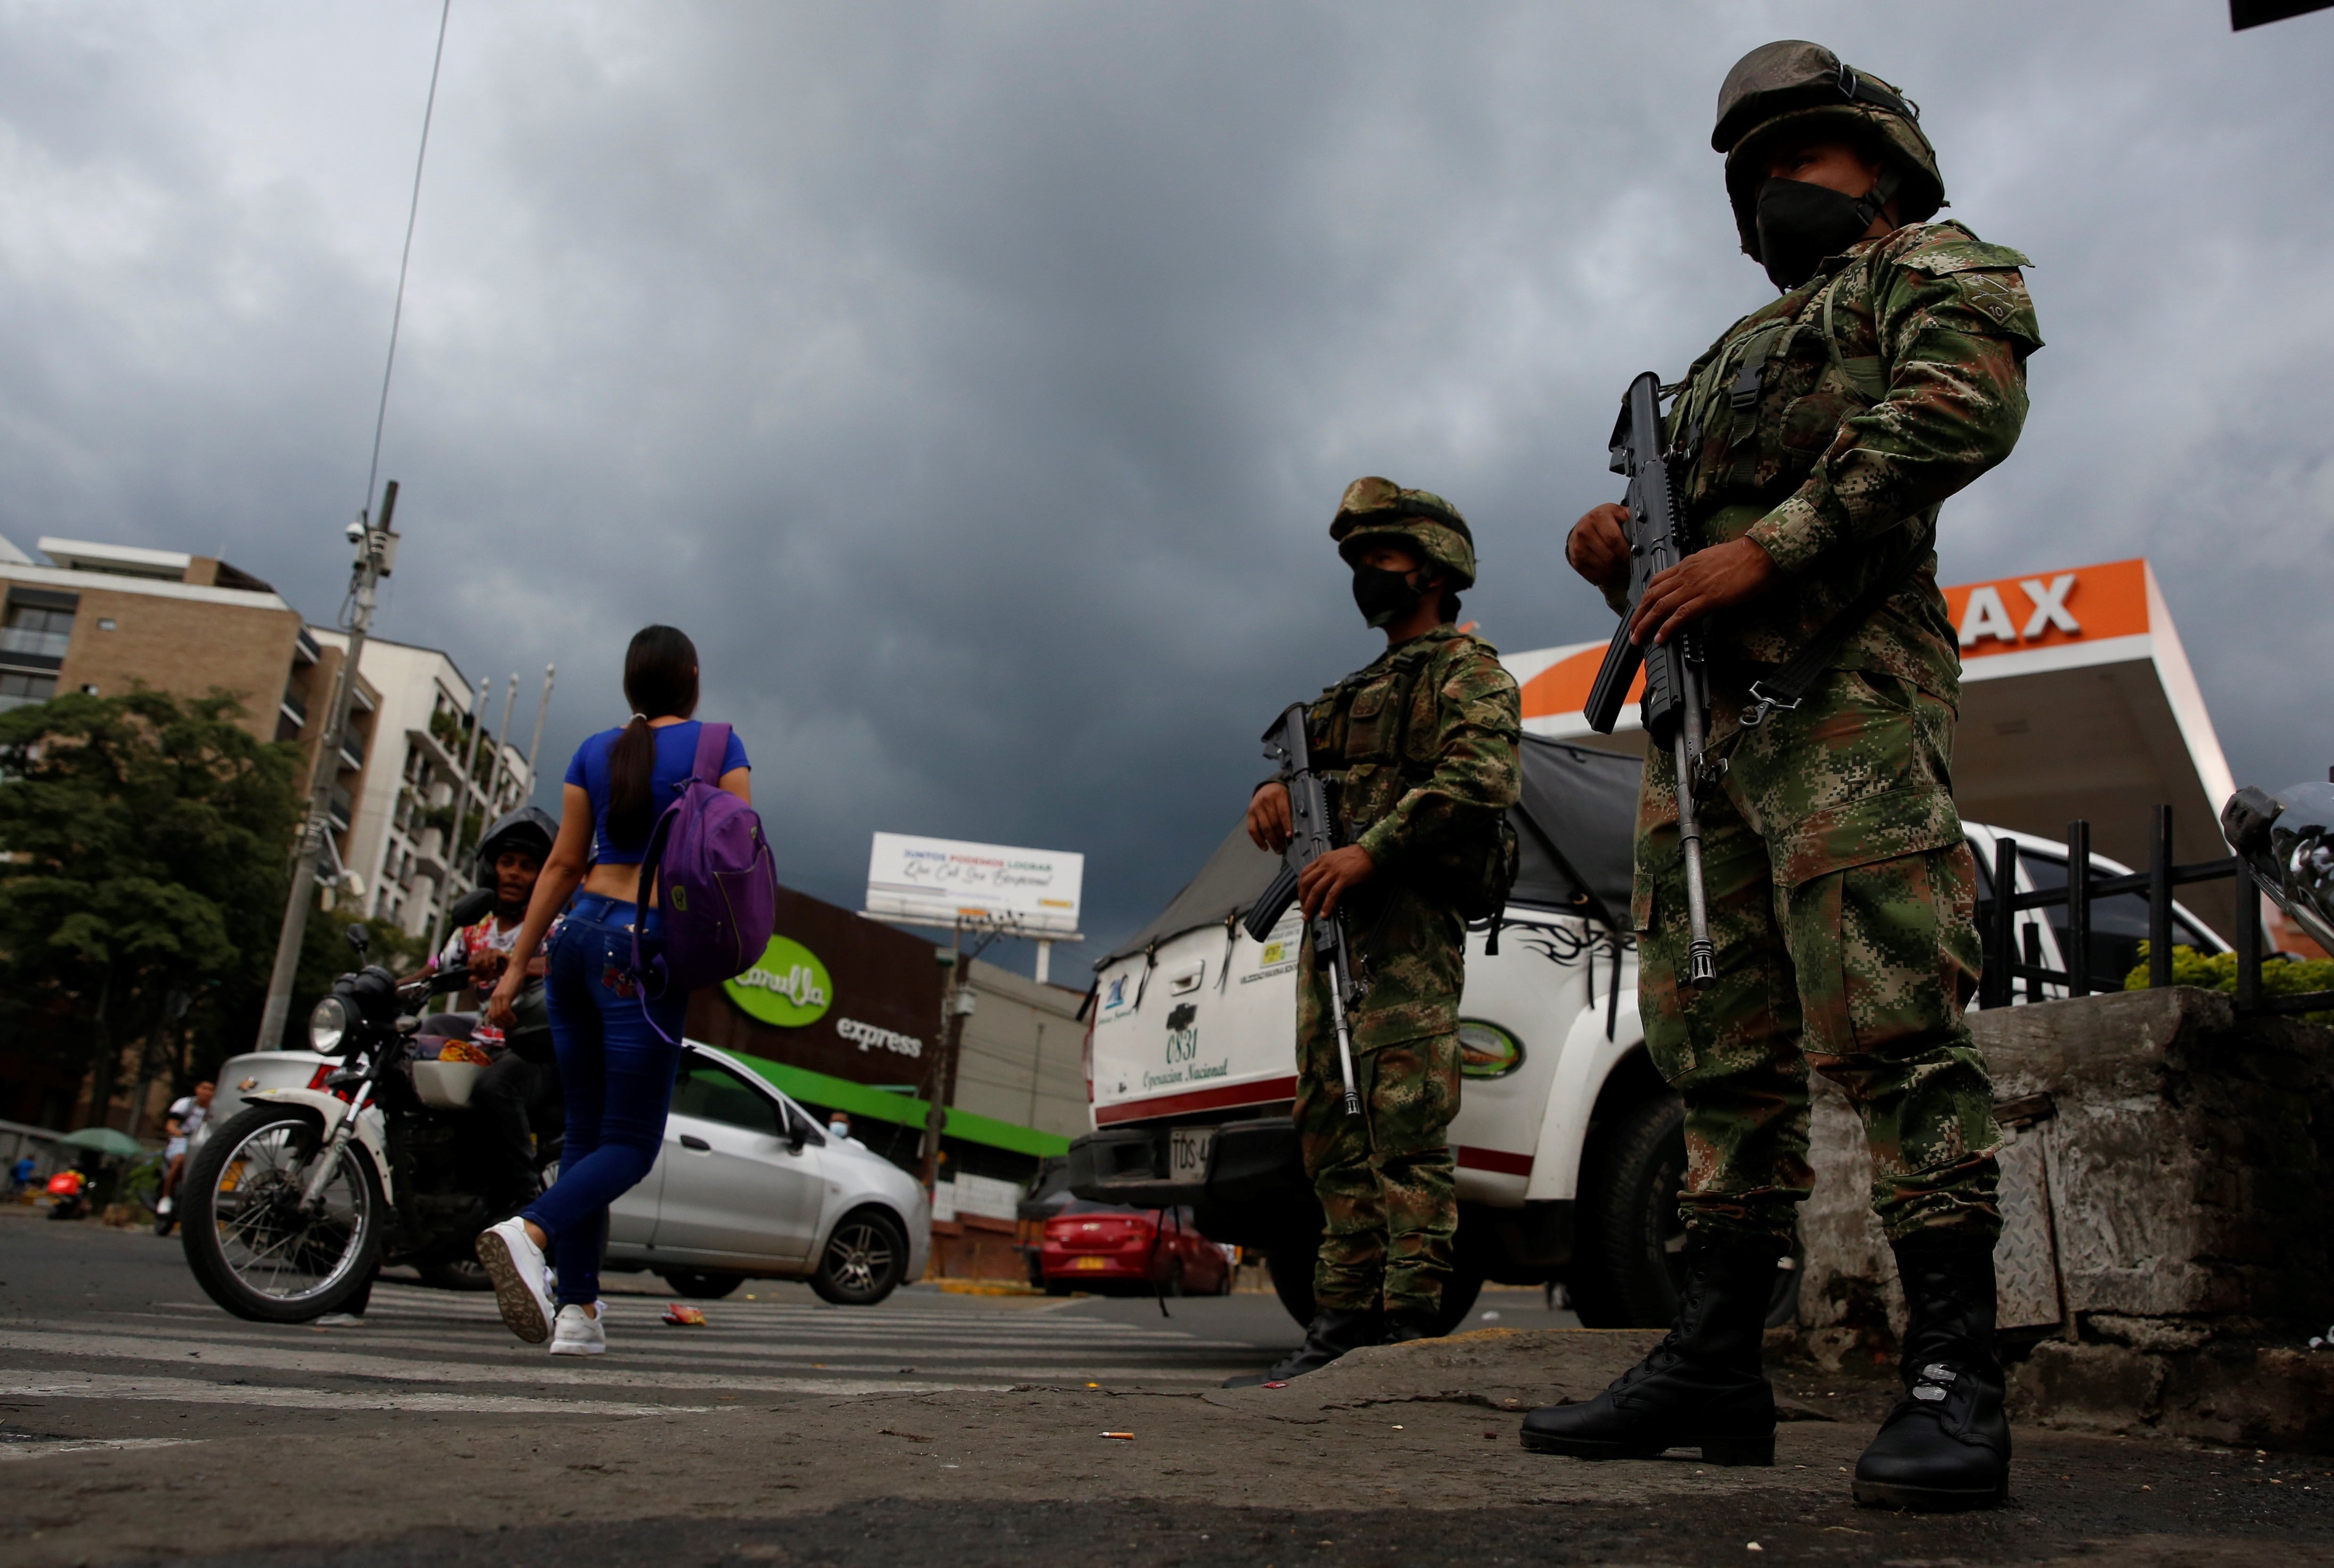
x,y
140,1424
85,1306
116,1314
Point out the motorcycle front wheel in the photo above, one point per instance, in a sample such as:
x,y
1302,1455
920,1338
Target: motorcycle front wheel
x,y
251,1247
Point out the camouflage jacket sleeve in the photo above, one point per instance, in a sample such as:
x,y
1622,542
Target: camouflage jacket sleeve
x,y
1955,326
1468,747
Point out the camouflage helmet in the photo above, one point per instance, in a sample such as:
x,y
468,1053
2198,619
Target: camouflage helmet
x,y
1379,511
1793,85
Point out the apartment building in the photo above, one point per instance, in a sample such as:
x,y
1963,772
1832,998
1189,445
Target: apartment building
x,y
407,807
98,618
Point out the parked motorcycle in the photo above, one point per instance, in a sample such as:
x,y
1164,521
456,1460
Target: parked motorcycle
x,y
293,1205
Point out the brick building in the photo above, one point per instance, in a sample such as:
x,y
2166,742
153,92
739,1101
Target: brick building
x,y
100,618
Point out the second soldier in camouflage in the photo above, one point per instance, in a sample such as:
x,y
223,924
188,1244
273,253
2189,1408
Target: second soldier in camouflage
x,y
1420,747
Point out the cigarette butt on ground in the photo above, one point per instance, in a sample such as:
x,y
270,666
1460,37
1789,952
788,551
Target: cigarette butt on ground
x,y
686,1317
1122,1437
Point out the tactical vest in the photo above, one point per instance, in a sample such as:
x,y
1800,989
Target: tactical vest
x,y
1753,419
1374,736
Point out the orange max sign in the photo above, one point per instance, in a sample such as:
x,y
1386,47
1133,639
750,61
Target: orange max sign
x,y
2086,604
2008,615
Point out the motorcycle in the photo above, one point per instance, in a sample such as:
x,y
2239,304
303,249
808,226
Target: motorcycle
x,y
2287,839
292,1207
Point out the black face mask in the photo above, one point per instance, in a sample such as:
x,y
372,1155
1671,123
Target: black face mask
x,y
1383,596
1801,223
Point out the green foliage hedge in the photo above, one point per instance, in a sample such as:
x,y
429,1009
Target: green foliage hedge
x,y
2218,972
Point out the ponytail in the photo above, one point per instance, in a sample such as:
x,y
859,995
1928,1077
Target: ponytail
x,y
659,681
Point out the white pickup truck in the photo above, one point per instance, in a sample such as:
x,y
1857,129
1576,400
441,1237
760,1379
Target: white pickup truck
x,y
1570,1148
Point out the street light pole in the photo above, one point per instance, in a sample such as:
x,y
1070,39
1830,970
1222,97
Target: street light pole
x,y
376,556
446,896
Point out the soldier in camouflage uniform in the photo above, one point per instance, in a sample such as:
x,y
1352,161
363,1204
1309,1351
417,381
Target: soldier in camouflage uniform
x,y
1813,446
1419,752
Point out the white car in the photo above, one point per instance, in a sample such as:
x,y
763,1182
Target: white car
x,y
1569,1147
748,1186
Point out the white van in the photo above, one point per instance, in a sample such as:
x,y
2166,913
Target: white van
x,y
1569,1147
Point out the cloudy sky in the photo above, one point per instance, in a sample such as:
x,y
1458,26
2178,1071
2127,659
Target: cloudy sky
x,y
976,381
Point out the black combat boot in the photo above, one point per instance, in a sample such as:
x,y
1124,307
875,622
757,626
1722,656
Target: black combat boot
x,y
1701,1387
1333,1332
1947,1444
1402,1327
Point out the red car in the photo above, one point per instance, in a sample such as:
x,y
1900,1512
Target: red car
x,y
1111,1249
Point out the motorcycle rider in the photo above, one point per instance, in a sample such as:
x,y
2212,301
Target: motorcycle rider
x,y
509,860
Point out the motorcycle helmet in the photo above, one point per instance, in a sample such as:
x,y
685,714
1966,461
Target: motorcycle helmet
x,y
527,828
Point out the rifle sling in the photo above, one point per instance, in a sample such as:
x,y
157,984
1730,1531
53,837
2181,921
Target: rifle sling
x,y
1791,681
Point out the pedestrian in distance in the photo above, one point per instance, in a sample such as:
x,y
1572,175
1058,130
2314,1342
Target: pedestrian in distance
x,y
1421,749
617,1046
181,1125
1811,447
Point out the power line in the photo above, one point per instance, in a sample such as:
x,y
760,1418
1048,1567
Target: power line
x,y
412,212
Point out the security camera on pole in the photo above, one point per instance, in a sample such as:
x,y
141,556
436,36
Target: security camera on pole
x,y
376,548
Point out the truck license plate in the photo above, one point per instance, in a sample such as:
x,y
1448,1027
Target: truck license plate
x,y
1187,1153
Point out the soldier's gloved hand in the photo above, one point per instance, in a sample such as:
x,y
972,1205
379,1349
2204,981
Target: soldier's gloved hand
x,y
1321,884
1268,824
1705,583
1597,547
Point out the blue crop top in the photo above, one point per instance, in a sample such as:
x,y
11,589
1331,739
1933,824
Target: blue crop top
x,y
676,752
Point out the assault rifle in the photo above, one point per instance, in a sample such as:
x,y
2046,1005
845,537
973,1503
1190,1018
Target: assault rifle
x,y
1677,705
1313,834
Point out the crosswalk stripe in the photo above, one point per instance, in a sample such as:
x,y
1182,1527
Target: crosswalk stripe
x,y
22,1450
491,1334
199,1392
350,1364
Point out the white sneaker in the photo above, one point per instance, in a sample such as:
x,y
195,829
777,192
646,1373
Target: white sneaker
x,y
516,1266
580,1332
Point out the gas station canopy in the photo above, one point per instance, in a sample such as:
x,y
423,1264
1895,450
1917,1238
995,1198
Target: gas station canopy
x,y
2076,702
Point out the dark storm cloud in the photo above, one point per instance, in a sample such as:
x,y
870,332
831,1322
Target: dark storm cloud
x,y
975,382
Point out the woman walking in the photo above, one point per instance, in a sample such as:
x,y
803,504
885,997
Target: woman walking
x,y
617,1051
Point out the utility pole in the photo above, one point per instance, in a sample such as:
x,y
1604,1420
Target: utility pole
x,y
956,1005
541,708
376,546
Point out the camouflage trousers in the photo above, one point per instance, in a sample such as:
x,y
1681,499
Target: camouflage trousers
x,y
1385,1178
1842,902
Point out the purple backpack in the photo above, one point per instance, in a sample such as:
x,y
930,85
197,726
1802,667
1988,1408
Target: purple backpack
x,y
716,884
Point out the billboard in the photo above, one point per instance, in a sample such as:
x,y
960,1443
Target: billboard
x,y
940,881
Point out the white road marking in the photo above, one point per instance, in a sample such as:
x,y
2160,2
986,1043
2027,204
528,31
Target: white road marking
x,y
540,1370
640,1338
195,1391
42,1450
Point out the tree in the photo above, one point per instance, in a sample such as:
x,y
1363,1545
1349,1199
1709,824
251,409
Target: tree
x,y
147,841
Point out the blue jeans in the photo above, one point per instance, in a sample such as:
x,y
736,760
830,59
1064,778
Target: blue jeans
x,y
617,1074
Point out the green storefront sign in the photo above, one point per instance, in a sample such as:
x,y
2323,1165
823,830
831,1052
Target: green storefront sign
x,y
790,987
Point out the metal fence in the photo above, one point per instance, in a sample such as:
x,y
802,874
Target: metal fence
x,y
2009,962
